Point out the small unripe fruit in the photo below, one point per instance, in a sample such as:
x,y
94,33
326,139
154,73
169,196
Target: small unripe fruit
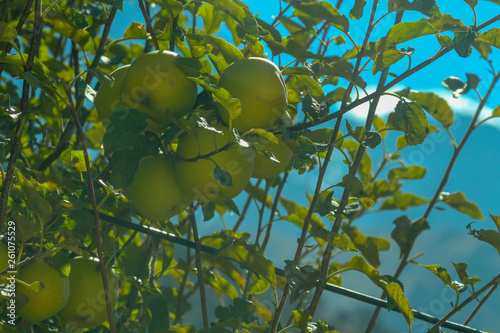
x,y
155,85
197,177
155,190
108,97
86,307
51,299
261,89
264,167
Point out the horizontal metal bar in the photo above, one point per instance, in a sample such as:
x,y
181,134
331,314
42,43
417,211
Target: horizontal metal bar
x,y
330,287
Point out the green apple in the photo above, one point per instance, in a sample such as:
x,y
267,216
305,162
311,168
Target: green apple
x,y
86,307
197,177
154,84
108,98
52,297
259,85
154,191
264,167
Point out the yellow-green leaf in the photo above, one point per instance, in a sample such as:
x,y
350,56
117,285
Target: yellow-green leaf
x,y
458,201
395,292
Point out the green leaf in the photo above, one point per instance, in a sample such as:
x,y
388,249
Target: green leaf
x,y
135,31
222,96
41,72
126,161
446,22
491,37
426,7
298,213
228,50
7,33
403,32
301,85
369,246
303,158
324,10
403,201
223,177
218,284
240,13
358,133
301,320
78,160
455,85
386,59
89,92
324,136
352,184
359,264
462,43
458,201
472,3
326,204
246,255
445,41
34,200
81,223
313,109
115,3
496,112
491,237
496,219
301,279
461,269
357,10
212,19
472,81
483,48
411,119
440,272
382,188
124,127
437,106
208,209
69,22
406,232
409,172
395,292
276,35
372,140
157,305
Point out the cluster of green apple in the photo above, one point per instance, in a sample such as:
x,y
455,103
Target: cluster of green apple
x,y
208,163
78,300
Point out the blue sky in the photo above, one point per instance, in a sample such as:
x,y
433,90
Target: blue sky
x,y
475,174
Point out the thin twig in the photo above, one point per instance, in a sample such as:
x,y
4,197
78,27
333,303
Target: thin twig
x,y
480,304
199,268
243,212
267,187
95,210
16,141
182,286
148,24
325,262
274,208
471,298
